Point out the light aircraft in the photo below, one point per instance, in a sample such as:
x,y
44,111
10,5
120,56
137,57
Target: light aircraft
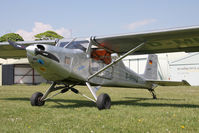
x,y
97,61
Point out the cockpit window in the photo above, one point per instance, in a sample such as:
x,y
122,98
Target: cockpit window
x,y
82,45
63,44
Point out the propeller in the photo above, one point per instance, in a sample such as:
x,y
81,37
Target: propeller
x,y
16,45
37,51
46,54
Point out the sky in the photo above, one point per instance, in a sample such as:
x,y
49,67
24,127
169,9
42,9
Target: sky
x,y
84,18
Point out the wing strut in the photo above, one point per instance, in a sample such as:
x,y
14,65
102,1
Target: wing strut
x,y
117,60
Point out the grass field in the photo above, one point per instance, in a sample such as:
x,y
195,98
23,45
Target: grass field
x,y
176,110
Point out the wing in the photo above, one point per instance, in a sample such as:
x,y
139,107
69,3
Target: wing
x,y
169,83
8,51
173,40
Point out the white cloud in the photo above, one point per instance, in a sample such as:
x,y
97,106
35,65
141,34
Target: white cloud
x,y
137,24
40,27
64,32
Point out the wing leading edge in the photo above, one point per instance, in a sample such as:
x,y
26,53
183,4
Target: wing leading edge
x,y
173,40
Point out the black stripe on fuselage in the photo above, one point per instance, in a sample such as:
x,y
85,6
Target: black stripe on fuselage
x,y
46,54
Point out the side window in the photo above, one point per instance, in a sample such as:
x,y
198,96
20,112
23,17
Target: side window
x,y
67,60
101,54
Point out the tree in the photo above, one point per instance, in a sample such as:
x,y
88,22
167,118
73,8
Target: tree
x,y
11,36
48,35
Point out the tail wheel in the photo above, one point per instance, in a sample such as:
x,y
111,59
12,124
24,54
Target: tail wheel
x,y
103,101
35,99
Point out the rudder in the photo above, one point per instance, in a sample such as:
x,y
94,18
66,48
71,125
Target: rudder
x,y
151,69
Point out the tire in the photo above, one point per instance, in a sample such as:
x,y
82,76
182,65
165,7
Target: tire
x,y
35,99
103,101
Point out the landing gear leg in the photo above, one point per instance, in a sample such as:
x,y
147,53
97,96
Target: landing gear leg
x,y
103,101
153,93
37,99
52,87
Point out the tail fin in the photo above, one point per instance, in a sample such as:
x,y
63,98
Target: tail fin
x,y
151,70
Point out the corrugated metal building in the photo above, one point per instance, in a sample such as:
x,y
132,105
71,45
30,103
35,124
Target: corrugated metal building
x,y
136,63
25,74
186,68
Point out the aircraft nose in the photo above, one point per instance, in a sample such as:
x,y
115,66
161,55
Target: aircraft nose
x,y
31,50
39,49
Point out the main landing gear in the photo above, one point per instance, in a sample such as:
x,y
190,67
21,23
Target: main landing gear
x,y
103,101
153,93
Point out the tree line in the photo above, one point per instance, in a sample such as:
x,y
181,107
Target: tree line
x,y
48,35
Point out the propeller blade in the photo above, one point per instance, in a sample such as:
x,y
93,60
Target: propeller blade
x,y
16,45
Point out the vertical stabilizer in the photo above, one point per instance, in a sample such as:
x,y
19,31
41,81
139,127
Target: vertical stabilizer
x,y
151,70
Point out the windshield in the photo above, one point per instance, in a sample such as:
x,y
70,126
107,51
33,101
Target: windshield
x,y
82,45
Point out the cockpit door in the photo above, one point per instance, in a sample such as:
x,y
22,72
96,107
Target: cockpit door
x,y
96,65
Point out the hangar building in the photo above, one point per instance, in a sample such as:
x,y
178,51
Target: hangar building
x,y
18,72
186,68
172,66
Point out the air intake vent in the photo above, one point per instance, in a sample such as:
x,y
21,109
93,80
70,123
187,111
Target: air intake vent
x,y
41,47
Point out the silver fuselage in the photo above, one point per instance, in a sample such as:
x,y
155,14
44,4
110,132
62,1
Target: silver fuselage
x,y
74,66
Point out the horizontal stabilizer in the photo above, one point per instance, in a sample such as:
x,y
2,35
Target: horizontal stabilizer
x,y
169,83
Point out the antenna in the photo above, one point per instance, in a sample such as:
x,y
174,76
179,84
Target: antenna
x,y
71,33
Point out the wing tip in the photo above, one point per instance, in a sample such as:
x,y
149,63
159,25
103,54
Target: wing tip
x,y
16,45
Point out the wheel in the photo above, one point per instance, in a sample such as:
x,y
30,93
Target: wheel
x,y
103,101
35,99
154,96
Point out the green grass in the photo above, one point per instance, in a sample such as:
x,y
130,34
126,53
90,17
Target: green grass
x,y
176,110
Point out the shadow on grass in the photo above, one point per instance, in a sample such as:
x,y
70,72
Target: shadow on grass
x,y
170,99
146,104
132,101
75,103
59,102
16,99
